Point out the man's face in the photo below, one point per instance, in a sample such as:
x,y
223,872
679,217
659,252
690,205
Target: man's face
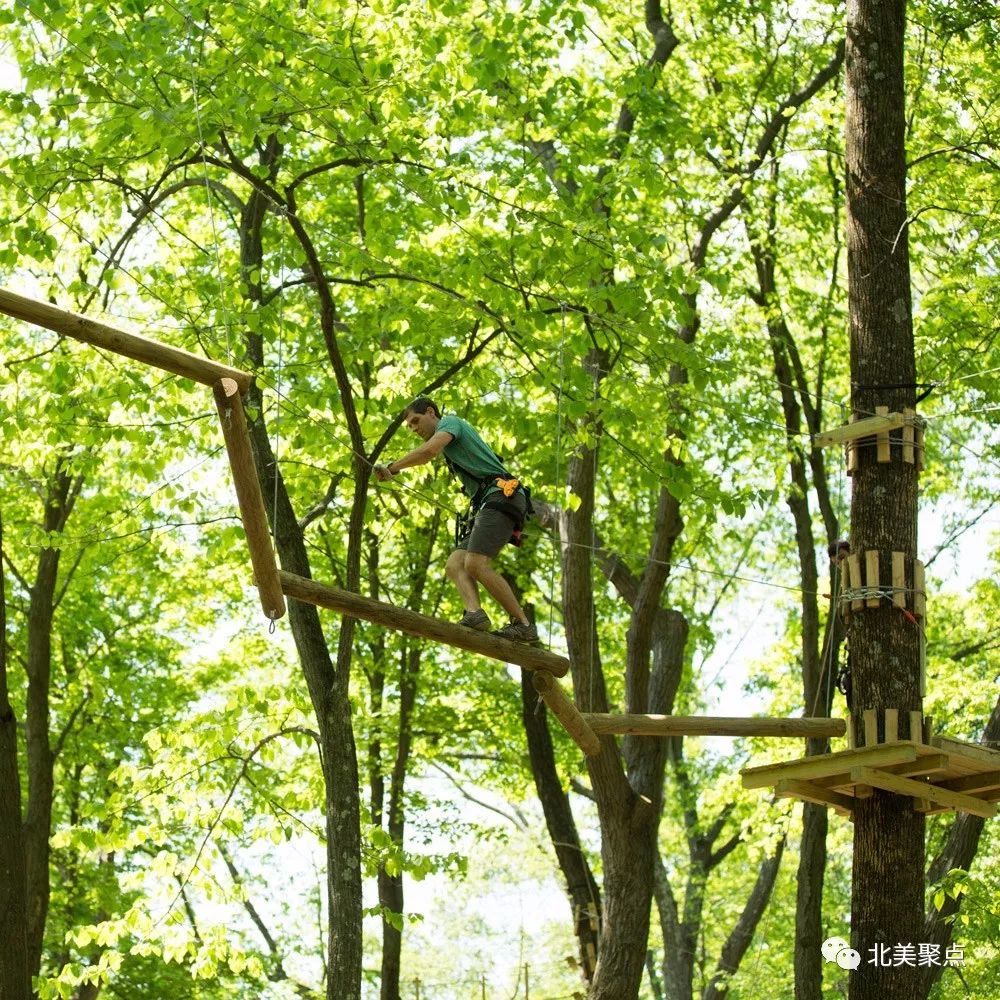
x,y
422,424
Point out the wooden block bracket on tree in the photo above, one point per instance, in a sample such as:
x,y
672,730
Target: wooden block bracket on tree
x,y
875,430
413,623
868,427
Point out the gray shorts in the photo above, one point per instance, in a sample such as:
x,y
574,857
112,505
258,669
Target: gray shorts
x,y
491,529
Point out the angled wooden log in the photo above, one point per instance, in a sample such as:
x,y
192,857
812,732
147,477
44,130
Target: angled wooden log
x,y
413,623
706,725
129,345
566,712
234,430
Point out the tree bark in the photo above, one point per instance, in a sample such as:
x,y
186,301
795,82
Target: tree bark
x,y
60,499
581,886
628,824
887,900
328,692
388,805
627,781
15,979
327,682
742,934
817,668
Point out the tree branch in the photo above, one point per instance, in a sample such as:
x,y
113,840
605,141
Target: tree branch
x,y
771,131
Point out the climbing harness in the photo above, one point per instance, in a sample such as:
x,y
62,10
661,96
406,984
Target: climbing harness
x,y
508,486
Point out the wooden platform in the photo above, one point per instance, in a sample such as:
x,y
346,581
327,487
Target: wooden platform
x,y
944,774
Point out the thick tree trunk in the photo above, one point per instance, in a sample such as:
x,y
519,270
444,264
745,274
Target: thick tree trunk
x,y
627,825
328,691
887,901
15,979
581,887
808,958
328,682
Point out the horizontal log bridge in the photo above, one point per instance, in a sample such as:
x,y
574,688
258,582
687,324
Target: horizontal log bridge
x,y
413,623
706,725
129,345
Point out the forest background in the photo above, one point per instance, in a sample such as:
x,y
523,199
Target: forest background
x,y
611,236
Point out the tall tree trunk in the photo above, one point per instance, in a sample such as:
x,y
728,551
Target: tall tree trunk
x,y
816,668
328,682
328,691
887,899
628,779
581,887
60,498
389,806
15,980
742,934
390,886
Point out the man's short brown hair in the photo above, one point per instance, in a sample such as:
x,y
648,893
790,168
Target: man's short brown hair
x,y
421,405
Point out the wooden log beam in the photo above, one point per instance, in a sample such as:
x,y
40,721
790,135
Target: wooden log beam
x,y
566,712
234,430
109,338
706,725
413,623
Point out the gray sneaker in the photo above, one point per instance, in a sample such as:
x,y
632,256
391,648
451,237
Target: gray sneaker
x,y
479,620
518,632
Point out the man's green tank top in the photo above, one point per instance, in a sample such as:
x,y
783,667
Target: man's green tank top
x,y
468,450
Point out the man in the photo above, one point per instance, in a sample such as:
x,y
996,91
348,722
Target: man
x,y
498,507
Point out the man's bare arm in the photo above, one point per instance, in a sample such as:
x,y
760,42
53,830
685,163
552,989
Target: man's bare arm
x,y
419,456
